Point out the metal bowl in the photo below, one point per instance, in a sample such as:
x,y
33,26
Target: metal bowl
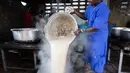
x,y
125,34
25,34
116,31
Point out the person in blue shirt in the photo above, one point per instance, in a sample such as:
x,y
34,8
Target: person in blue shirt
x,y
97,15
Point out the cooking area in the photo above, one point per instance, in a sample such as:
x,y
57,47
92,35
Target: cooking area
x,y
64,36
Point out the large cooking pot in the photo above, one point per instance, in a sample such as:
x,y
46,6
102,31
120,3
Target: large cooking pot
x,y
59,25
116,31
25,34
125,34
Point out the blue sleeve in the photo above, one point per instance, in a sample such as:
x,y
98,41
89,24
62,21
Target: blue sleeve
x,y
87,11
101,19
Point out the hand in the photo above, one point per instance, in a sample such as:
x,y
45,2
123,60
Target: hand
x,y
77,32
87,67
73,12
69,9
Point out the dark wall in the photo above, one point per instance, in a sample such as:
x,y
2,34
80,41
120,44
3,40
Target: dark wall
x,y
11,16
116,16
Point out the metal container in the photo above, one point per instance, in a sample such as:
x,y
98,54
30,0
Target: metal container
x,y
116,31
125,34
25,34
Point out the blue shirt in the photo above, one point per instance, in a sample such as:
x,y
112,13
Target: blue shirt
x,y
98,18
96,47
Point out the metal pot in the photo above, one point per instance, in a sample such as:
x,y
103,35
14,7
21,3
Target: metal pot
x,y
125,34
25,34
116,31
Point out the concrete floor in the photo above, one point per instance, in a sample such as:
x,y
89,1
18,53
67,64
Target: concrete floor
x,y
108,68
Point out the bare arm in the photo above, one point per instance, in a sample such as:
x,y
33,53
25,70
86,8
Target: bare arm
x,y
80,15
91,29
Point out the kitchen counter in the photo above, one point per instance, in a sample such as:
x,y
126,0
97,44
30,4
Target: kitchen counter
x,y
121,46
13,46
16,45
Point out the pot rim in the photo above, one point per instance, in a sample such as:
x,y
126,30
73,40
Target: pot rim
x,y
24,29
127,29
119,28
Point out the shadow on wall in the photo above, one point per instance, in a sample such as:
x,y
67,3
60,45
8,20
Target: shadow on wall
x,y
128,24
115,16
11,16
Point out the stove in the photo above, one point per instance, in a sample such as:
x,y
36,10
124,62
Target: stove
x,y
119,45
20,45
122,44
15,46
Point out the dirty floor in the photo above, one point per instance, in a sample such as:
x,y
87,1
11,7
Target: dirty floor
x,y
109,68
